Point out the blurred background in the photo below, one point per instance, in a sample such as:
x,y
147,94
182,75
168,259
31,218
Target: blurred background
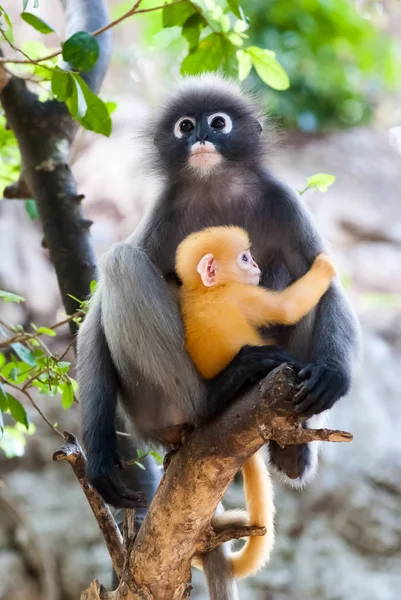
x,y
341,537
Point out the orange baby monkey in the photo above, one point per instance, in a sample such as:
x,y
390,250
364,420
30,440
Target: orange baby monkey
x,y
222,307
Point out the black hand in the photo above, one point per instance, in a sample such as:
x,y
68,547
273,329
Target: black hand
x,y
322,386
113,491
112,488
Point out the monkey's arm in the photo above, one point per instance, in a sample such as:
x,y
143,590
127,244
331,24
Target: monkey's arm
x,y
98,389
327,339
263,307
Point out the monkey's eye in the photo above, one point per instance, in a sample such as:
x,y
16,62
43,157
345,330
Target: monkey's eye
x,y
220,122
244,258
184,126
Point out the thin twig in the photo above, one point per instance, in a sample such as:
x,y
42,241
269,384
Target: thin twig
x,y
24,336
70,345
28,383
232,533
32,401
129,13
16,49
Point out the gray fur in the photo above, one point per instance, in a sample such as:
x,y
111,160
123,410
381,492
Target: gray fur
x,y
220,582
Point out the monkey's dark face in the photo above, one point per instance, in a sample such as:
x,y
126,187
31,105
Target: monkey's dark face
x,y
207,129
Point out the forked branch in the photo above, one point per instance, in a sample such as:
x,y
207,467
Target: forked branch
x,y
157,564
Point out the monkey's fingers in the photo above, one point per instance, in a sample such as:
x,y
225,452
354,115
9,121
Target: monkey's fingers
x,y
115,492
319,391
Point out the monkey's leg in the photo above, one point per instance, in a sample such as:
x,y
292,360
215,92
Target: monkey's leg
x,y
251,364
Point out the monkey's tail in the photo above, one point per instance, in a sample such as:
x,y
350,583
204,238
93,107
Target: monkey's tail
x,y
260,505
218,572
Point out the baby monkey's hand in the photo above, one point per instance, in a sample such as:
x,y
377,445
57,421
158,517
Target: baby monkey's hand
x,y
323,266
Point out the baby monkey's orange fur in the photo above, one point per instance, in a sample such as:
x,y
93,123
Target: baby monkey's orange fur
x,y
222,311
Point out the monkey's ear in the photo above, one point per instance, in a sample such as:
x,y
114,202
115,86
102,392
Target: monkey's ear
x,y
207,270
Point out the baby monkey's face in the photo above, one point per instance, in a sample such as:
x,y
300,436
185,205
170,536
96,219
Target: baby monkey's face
x,y
248,269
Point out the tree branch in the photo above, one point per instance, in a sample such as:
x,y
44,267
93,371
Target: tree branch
x,y
132,11
177,526
44,133
73,453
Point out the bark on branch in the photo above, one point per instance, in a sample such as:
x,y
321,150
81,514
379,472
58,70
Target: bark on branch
x,y
44,132
177,526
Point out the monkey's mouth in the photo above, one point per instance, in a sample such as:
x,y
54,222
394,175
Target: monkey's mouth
x,y
204,155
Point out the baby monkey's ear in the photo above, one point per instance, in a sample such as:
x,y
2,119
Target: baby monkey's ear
x,y
207,270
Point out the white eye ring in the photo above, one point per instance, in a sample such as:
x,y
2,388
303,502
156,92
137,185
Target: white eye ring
x,y
229,123
177,131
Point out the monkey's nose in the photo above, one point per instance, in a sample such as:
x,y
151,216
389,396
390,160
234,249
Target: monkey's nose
x,y
202,138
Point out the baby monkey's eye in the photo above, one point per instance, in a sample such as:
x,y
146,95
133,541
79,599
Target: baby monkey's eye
x,y
245,258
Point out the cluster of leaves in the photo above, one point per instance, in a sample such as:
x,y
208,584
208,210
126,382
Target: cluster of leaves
x,y
26,363
216,38
337,59
81,52
214,31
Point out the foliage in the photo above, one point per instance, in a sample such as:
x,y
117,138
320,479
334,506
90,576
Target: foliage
x,y
26,363
213,32
320,181
335,56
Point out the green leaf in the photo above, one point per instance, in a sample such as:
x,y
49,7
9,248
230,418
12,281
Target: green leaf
x,y
96,116
17,411
47,331
177,14
9,297
24,4
140,465
235,8
268,68
244,64
214,52
321,181
191,30
67,398
24,354
93,286
37,23
4,13
111,106
2,360
1,423
3,398
81,51
32,209
76,104
157,457
14,441
62,84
